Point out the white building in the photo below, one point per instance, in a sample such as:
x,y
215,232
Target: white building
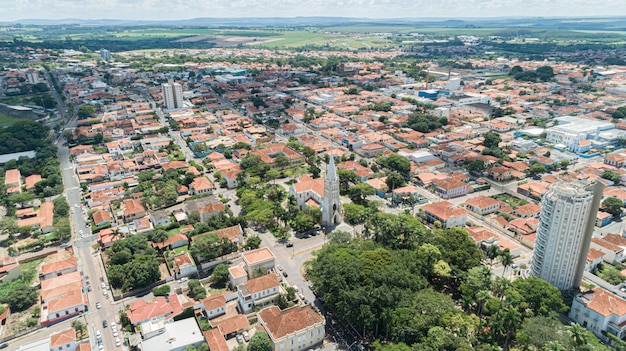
x,y
257,292
172,95
174,336
105,54
600,311
566,224
294,329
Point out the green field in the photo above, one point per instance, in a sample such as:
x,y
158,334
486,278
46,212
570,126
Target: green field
x,y
6,120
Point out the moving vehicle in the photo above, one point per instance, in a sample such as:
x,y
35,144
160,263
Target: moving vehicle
x,y
105,324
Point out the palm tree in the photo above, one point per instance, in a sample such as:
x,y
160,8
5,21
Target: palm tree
x,y
492,253
511,321
553,346
578,334
506,258
481,298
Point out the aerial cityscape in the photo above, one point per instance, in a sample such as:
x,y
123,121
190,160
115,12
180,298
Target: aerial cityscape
x,y
327,176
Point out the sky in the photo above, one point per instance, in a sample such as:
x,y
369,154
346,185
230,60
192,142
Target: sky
x,y
12,10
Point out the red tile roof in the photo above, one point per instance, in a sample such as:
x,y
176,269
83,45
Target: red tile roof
x,y
280,323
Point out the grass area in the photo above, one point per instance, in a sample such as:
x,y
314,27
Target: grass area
x,y
180,250
6,120
609,274
172,232
511,200
29,269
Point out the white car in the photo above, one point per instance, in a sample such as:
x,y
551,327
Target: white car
x,y
98,305
98,333
295,287
115,333
103,285
118,342
113,325
104,292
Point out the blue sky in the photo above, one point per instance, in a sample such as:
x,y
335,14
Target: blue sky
x,y
183,9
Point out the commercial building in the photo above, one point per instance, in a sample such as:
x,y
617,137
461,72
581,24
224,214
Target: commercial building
x,y
172,95
566,223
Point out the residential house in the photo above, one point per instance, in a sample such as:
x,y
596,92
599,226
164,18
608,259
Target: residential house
x,y
614,253
32,180
160,218
594,258
257,292
215,340
408,192
600,311
527,211
132,209
237,275
63,341
450,188
603,218
296,328
483,205
212,306
445,213
141,311
370,150
183,265
257,259
201,185
500,173
101,217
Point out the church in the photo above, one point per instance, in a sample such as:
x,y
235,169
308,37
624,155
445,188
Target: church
x,y
322,193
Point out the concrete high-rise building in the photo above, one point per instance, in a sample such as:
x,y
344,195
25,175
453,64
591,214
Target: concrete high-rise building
x,y
172,95
105,54
331,205
566,222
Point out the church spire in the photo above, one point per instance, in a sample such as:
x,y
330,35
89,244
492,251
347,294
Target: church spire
x,y
331,173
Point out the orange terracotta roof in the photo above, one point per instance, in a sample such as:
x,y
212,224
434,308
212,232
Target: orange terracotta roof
x,y
215,340
280,323
62,338
261,283
232,324
605,303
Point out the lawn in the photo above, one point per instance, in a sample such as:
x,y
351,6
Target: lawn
x,y
511,200
6,120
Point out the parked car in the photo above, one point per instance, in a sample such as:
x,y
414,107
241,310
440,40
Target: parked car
x,y
279,267
98,305
289,244
285,274
246,336
105,324
295,287
4,346
118,342
239,339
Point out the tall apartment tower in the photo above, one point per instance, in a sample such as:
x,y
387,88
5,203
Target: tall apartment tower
x,y
566,222
331,205
172,95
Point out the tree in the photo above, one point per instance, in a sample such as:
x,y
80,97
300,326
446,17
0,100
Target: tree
x,y
578,335
613,206
476,166
539,331
86,111
541,297
20,297
492,253
359,192
252,242
196,290
339,237
162,290
398,163
454,244
612,176
280,161
544,73
61,206
506,259
260,341
394,180
536,169
281,301
79,327
491,140
346,177
220,275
